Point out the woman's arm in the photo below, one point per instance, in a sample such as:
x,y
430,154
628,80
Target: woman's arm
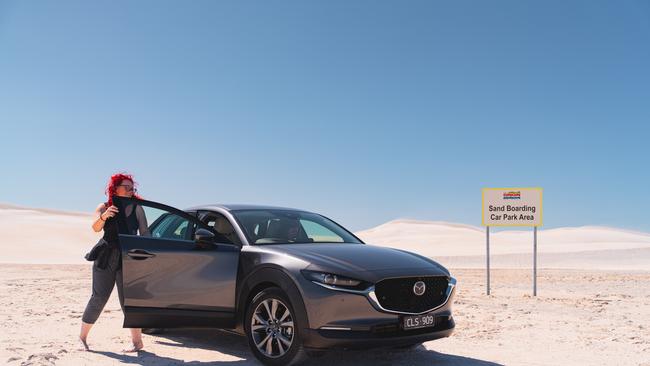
x,y
103,213
143,227
98,224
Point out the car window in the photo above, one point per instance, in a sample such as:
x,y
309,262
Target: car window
x,y
167,225
319,233
221,226
286,227
155,220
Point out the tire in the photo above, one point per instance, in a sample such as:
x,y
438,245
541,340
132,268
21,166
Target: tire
x,y
272,329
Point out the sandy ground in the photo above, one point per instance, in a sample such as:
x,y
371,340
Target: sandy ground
x,y
579,318
593,306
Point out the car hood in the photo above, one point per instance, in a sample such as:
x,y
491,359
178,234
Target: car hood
x,y
362,261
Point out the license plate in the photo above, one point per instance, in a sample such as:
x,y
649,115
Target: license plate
x,y
418,321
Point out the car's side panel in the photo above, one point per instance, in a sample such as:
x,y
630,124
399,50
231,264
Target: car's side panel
x,y
180,275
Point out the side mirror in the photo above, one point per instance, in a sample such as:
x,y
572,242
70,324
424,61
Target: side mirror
x,y
204,236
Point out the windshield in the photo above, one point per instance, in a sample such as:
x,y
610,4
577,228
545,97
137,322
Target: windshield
x,y
288,227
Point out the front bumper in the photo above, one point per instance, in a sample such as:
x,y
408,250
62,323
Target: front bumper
x,y
387,334
348,320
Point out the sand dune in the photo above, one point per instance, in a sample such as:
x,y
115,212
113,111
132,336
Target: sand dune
x,y
30,235
616,260
463,246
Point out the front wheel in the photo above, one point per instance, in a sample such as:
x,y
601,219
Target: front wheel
x,y
272,329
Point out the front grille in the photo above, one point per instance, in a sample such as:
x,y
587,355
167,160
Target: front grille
x,y
397,294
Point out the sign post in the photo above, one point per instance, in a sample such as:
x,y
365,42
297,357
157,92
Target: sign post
x,y
487,257
535,261
511,207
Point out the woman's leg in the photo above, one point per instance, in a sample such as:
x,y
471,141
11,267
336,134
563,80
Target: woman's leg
x,y
83,334
136,333
136,338
103,282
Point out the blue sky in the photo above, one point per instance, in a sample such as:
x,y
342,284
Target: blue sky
x,y
365,111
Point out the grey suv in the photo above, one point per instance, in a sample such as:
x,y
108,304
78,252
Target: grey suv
x,y
291,281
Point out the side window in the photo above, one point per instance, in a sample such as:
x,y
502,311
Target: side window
x,y
153,219
319,233
256,229
221,226
168,225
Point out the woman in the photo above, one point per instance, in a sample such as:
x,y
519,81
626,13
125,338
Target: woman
x,y
107,268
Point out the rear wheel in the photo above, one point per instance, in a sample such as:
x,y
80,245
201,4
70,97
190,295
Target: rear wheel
x,y
272,329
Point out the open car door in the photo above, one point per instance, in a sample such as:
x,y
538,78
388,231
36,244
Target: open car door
x,y
176,271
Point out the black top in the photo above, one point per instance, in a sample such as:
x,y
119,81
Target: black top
x,y
112,252
111,228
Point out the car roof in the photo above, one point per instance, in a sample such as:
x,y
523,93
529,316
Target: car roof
x,y
239,207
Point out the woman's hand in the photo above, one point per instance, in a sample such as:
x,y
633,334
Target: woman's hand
x,y
110,212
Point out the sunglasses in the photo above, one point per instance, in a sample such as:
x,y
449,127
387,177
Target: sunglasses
x,y
129,188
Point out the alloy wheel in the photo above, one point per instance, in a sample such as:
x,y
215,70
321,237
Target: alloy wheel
x,y
272,328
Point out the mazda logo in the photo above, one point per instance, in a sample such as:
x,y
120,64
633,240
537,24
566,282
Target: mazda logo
x,y
419,288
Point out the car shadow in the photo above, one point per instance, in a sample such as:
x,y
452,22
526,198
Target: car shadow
x,y
149,358
383,356
233,344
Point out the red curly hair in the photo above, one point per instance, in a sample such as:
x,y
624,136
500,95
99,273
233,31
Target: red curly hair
x,y
114,182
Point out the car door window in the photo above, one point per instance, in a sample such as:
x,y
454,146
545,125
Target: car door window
x,y
162,222
221,226
169,226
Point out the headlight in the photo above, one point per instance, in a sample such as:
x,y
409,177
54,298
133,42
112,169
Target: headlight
x,y
334,280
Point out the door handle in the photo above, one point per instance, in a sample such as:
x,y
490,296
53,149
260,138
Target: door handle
x,y
139,254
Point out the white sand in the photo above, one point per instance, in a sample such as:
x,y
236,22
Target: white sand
x,y
44,236
579,318
598,315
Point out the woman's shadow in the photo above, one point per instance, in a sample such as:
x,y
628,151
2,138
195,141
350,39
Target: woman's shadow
x,y
233,344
